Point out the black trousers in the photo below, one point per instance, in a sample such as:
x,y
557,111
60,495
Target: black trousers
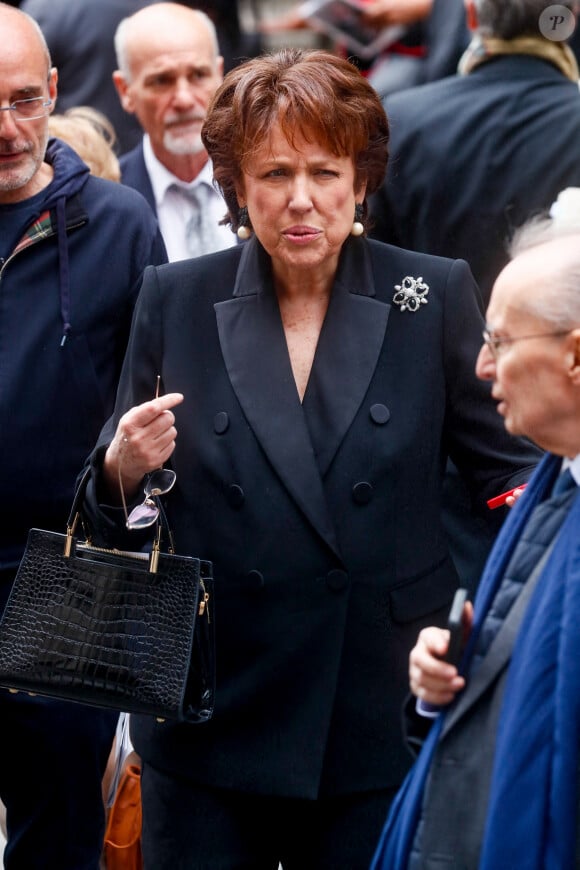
x,y
188,826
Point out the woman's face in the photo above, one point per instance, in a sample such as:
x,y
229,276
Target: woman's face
x,y
301,203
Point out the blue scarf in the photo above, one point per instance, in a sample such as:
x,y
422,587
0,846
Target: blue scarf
x,y
531,821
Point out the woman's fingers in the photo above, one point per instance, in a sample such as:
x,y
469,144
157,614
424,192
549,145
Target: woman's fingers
x,y
151,418
147,432
144,440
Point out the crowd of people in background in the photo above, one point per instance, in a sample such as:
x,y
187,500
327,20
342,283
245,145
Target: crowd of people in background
x,y
341,268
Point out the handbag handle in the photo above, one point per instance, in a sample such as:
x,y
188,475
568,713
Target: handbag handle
x,y
75,513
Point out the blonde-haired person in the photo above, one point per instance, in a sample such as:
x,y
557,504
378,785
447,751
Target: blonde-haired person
x,y
92,136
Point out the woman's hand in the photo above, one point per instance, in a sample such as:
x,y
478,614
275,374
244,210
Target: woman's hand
x,y
430,677
292,20
378,13
384,13
144,441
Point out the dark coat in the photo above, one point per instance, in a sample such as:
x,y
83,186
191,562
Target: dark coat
x,y
322,518
472,157
68,284
134,174
529,757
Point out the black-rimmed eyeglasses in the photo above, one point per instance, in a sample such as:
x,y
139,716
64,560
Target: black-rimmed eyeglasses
x,y
495,342
28,110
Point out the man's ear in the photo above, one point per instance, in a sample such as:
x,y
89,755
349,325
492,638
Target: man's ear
x,y
471,14
122,87
573,358
52,86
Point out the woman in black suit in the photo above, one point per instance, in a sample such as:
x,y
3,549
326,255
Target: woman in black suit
x,y
315,382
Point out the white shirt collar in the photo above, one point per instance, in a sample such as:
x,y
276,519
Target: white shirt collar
x,y
161,178
173,211
574,466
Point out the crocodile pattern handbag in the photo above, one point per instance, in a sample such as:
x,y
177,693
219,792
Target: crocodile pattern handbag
x,y
129,631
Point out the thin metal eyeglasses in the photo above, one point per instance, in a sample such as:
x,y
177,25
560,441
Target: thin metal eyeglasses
x,y
158,483
28,110
494,342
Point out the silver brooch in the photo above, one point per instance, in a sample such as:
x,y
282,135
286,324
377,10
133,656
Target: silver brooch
x,y
411,293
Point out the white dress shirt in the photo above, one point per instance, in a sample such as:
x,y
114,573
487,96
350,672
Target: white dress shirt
x,y
174,211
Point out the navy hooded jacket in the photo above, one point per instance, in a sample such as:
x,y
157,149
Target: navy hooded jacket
x,y
69,279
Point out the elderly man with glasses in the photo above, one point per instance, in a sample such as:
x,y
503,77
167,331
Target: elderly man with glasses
x,y
496,783
72,251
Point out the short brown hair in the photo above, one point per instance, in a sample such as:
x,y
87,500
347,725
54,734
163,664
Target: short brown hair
x,y
313,93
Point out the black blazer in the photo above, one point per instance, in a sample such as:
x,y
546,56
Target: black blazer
x,y
472,157
322,518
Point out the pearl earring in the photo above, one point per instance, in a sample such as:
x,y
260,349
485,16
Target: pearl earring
x,y
244,230
358,226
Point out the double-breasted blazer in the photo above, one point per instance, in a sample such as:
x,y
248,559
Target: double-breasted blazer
x,y
322,518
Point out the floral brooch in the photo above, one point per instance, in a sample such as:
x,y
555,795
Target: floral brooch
x,y
411,293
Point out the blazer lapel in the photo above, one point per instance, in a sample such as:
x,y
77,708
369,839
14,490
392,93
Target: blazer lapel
x,y
256,357
346,357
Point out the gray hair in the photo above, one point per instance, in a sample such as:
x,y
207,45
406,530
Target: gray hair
x,y
561,306
508,19
124,27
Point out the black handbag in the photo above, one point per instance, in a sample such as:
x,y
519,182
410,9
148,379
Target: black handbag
x,y
129,631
